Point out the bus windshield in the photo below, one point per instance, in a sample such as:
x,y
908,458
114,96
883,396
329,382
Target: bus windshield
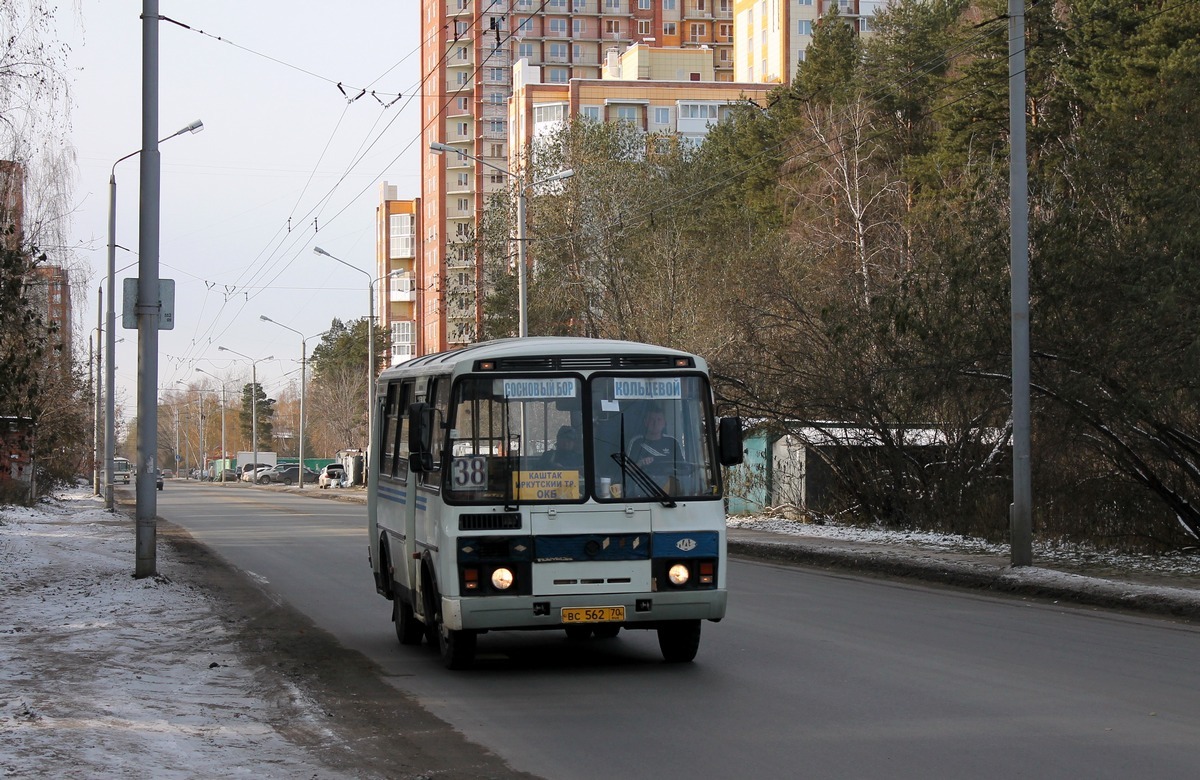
x,y
566,438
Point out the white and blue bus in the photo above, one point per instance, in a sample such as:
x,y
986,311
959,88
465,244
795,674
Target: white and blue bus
x,y
122,470
550,483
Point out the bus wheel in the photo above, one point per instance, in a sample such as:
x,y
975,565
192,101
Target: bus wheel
x,y
458,647
606,630
578,633
679,641
409,630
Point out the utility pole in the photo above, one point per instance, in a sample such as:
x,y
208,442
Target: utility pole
x,y
1020,513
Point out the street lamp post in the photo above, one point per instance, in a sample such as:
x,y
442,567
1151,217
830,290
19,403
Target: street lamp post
x,y
303,361
223,402
522,206
253,399
111,318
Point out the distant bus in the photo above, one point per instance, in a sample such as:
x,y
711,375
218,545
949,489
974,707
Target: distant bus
x,y
122,469
482,518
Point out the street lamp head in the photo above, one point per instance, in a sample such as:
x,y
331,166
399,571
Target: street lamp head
x,y
265,318
437,147
319,251
195,127
222,349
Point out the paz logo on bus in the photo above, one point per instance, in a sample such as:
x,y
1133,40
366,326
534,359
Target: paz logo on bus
x,y
686,545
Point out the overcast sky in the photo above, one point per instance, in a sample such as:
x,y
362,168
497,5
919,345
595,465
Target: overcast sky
x,y
281,146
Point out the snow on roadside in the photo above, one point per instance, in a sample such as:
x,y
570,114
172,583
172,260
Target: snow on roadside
x,y
1067,556
105,675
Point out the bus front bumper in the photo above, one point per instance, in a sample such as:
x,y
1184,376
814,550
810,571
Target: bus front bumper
x,y
641,610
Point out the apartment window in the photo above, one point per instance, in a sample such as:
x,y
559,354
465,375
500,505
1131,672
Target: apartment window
x,y
497,75
463,204
497,126
550,113
461,128
725,32
462,53
579,6
699,32
556,4
526,25
612,5
460,229
697,111
612,27
558,51
644,26
495,178
804,27
864,25
460,28
668,5
464,180
627,114
497,98
462,103
805,2
460,78
662,116
644,5
497,150
590,112
525,51
668,28
402,234
700,5
557,75
724,6
557,26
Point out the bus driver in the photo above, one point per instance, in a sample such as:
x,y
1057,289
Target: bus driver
x,y
653,451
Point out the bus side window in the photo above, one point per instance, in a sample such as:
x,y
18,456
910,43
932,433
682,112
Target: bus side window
x,y
403,399
388,434
439,402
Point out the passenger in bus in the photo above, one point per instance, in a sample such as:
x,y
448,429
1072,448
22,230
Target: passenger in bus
x,y
566,453
654,451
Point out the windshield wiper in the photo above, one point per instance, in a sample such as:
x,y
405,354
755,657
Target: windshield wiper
x,y
644,481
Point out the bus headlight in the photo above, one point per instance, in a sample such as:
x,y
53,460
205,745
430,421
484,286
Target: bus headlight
x,y
502,579
679,574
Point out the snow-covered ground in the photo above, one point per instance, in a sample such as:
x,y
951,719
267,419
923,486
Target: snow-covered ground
x,y
102,675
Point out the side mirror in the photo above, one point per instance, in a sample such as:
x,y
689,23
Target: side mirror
x,y
729,442
420,438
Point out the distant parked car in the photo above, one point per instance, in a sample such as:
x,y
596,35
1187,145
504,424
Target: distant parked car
x,y
229,474
251,474
333,475
285,475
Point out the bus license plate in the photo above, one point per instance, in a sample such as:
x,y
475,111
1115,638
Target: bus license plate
x,y
593,614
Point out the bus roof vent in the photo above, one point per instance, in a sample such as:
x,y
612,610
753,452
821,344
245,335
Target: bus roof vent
x,y
580,362
647,361
525,364
507,521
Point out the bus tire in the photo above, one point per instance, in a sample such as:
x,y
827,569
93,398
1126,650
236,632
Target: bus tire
x,y
679,641
457,647
409,630
578,633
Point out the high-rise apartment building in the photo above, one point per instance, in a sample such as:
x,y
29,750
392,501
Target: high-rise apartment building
x,y
468,51
396,223
771,36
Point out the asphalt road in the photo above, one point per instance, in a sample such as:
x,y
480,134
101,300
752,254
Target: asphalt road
x,y
812,674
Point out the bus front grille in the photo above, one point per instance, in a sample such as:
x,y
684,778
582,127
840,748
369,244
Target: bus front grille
x,y
507,521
